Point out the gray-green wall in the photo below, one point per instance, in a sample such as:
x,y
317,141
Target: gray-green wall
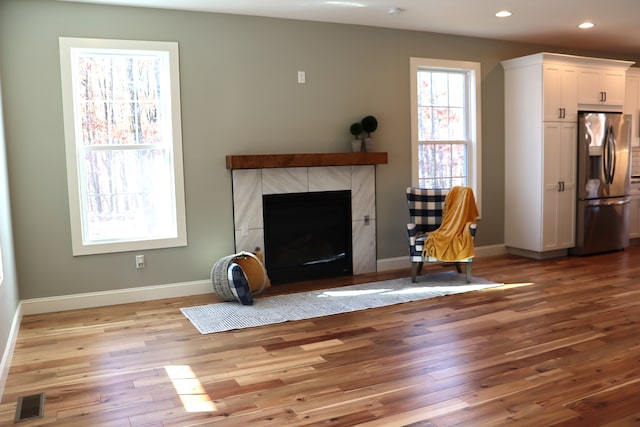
x,y
239,96
8,279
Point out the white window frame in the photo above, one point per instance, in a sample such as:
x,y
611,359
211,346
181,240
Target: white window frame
x,y
72,139
472,71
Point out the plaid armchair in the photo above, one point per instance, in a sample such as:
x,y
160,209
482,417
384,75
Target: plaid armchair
x,y
425,211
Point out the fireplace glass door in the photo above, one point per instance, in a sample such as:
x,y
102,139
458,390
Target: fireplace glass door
x,y
307,235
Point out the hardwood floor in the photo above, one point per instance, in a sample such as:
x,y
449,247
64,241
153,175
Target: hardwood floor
x,y
559,344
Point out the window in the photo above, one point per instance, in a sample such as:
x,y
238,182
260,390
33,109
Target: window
x,y
121,103
445,124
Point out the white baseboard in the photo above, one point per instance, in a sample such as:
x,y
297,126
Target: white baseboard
x,y
120,296
5,362
398,263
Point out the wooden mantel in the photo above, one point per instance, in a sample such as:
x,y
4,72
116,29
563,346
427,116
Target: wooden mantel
x,y
263,161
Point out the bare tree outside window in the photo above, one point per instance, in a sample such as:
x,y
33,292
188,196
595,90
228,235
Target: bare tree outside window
x,y
124,144
445,116
441,129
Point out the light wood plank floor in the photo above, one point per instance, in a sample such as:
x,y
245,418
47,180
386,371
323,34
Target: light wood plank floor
x,y
559,344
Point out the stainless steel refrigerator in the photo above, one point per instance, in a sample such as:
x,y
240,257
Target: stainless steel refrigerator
x,y
602,222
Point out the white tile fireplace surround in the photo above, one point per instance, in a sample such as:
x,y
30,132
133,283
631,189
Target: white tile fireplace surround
x,y
249,185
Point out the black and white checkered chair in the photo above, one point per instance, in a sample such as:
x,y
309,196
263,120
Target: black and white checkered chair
x,y
425,211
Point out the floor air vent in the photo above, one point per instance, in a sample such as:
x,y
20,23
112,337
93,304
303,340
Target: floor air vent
x,y
30,407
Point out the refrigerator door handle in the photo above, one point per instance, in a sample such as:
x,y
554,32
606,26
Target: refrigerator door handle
x,y
605,156
614,154
609,152
619,202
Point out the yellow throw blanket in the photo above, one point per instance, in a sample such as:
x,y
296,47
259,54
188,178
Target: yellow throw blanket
x,y
452,241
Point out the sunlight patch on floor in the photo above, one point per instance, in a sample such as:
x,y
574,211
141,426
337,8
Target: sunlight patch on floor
x,y
514,285
352,293
193,396
464,288
406,291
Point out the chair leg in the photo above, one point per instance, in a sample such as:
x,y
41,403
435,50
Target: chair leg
x,y
458,267
468,271
416,268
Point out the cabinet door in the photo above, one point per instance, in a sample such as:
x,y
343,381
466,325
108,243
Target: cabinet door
x,y
567,171
560,93
559,196
601,86
613,83
632,106
589,90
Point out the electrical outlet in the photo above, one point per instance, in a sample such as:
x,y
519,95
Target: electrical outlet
x,y
139,261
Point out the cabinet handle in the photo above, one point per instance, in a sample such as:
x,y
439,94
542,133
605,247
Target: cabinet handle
x,y
559,113
564,113
603,96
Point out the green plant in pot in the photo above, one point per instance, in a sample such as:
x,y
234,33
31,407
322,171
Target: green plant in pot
x,y
369,125
356,142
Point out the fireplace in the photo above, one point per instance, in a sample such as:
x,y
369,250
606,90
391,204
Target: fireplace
x,y
255,176
307,235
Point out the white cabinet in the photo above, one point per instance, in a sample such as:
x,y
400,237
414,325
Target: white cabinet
x,y
540,191
632,103
559,181
601,86
560,92
541,145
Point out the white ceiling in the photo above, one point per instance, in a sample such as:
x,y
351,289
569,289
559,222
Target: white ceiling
x,y
547,22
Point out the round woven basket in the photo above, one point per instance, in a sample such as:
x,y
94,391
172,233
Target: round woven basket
x,y
250,264
254,271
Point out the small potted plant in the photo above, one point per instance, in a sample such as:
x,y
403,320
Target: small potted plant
x,y
356,142
369,125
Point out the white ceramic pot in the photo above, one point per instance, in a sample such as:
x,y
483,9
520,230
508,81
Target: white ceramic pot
x,y
368,145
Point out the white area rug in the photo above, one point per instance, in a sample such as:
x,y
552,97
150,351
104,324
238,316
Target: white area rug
x,y
225,316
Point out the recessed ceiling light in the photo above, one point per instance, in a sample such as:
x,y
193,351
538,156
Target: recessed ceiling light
x,y
395,10
586,25
503,14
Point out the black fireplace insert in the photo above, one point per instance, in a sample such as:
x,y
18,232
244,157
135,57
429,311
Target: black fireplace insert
x,y
307,235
